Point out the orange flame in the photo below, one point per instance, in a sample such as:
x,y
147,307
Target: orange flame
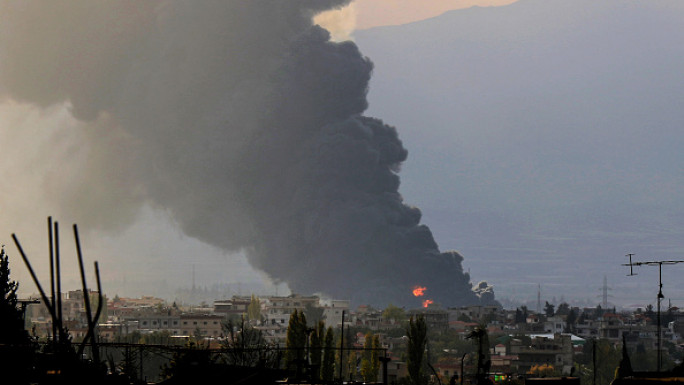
x,y
428,302
419,291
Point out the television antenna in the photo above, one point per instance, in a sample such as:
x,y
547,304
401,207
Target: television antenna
x,y
660,295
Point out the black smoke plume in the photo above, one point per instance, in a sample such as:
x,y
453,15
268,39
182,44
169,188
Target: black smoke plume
x,y
243,120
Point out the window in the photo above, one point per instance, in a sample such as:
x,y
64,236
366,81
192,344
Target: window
x,y
185,322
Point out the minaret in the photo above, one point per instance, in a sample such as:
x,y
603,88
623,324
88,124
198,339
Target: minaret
x,y
539,308
604,291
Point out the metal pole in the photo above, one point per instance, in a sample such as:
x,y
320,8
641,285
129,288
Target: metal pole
x,y
86,297
659,298
52,279
35,279
384,361
93,332
58,272
341,346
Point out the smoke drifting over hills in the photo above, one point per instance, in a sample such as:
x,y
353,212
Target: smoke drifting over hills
x,y
241,119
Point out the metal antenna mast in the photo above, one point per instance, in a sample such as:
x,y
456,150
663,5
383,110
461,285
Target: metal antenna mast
x,y
660,296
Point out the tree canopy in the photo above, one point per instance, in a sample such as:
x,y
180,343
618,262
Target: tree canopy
x,y
417,339
254,309
394,314
549,309
11,320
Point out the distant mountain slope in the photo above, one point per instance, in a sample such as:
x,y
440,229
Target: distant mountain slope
x,y
545,136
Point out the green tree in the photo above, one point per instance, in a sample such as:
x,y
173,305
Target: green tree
x,y
162,337
394,314
370,363
328,367
316,349
648,313
16,354
343,362
415,352
352,362
11,320
563,309
366,359
254,309
549,309
295,340
246,346
480,336
571,320
375,356
607,360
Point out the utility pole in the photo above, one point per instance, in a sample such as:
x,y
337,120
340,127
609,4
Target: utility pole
x,y
659,297
341,345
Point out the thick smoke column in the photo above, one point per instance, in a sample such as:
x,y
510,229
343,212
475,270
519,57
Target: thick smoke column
x,y
243,120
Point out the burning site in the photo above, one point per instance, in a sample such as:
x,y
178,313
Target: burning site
x,y
245,123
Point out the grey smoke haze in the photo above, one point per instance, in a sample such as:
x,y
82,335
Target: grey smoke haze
x,y
243,121
555,133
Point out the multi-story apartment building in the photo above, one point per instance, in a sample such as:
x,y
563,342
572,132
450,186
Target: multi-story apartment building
x,y
277,310
435,318
208,325
556,351
475,313
234,307
332,312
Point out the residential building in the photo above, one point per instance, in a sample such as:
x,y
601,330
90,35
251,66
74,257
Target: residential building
x,y
556,351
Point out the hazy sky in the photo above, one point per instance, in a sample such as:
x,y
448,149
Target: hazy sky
x,y
543,138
